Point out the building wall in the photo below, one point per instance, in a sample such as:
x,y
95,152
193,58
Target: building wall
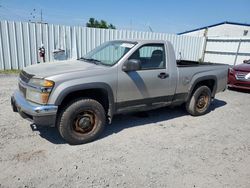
x,y
20,42
227,50
225,30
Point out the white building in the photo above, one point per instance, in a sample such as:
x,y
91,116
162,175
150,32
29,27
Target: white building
x,y
224,29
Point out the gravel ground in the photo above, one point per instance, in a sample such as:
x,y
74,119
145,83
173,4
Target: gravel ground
x,y
169,148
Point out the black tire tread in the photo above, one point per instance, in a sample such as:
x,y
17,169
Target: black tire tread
x,y
192,101
64,115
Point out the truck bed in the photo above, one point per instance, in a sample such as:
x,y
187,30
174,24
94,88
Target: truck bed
x,y
189,71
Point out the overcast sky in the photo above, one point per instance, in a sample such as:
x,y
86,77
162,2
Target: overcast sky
x,y
161,15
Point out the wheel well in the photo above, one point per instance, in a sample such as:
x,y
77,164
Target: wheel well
x,y
99,95
210,83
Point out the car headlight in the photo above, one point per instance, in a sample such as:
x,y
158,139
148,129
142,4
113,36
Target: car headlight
x,y
39,91
231,71
41,82
37,96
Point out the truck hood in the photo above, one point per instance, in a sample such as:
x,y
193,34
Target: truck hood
x,y
54,68
244,67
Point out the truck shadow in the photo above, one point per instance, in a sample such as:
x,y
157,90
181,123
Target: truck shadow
x,y
121,122
49,133
154,117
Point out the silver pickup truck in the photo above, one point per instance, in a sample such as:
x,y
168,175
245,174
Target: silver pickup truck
x,y
80,96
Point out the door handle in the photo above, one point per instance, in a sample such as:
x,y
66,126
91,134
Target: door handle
x,y
163,75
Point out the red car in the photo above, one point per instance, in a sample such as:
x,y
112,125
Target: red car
x,y
239,76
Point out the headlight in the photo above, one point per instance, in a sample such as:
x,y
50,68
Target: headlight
x,y
41,82
231,71
37,96
39,90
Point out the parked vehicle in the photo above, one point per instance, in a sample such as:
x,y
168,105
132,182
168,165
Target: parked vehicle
x,y
79,96
239,76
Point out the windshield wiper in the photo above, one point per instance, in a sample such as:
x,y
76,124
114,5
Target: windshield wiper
x,y
95,61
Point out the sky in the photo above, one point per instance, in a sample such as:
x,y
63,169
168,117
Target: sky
x,y
167,16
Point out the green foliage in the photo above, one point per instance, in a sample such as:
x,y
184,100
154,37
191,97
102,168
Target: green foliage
x,y
13,71
99,24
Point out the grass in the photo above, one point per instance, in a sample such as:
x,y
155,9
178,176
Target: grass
x,y
12,71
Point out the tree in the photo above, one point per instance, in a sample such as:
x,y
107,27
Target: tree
x,y
111,26
103,24
99,24
91,22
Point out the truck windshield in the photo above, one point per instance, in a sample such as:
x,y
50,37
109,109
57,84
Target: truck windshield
x,y
109,53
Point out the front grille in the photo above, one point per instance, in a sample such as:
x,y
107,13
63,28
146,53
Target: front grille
x,y
25,77
22,89
241,76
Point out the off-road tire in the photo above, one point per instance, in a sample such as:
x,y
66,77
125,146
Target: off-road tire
x,y
195,105
73,113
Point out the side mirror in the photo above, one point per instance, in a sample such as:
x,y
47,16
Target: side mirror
x,y
131,65
246,61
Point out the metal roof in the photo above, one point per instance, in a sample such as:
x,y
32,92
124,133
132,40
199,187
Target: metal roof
x,y
221,23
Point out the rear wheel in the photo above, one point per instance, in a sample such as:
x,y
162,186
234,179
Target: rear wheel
x,y
81,121
199,102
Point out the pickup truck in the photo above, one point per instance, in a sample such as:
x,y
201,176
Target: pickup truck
x,y
80,96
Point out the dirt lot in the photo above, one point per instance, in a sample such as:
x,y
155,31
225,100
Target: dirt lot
x,y
168,148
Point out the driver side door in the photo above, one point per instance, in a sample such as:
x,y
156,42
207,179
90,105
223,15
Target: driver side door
x,y
148,86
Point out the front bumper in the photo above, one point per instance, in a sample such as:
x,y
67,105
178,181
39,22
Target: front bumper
x,y
44,115
234,83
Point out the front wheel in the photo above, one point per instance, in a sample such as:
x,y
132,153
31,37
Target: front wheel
x,y
199,102
81,121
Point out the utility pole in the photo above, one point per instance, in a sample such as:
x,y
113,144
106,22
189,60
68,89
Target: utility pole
x,y
35,16
150,28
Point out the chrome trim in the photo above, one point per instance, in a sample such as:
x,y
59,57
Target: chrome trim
x,y
32,108
241,76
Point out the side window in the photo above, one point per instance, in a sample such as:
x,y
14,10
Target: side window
x,y
152,56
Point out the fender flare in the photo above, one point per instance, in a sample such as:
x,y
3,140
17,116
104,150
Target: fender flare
x,y
203,78
95,85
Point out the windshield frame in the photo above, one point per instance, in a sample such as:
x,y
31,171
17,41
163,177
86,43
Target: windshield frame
x,y
91,53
